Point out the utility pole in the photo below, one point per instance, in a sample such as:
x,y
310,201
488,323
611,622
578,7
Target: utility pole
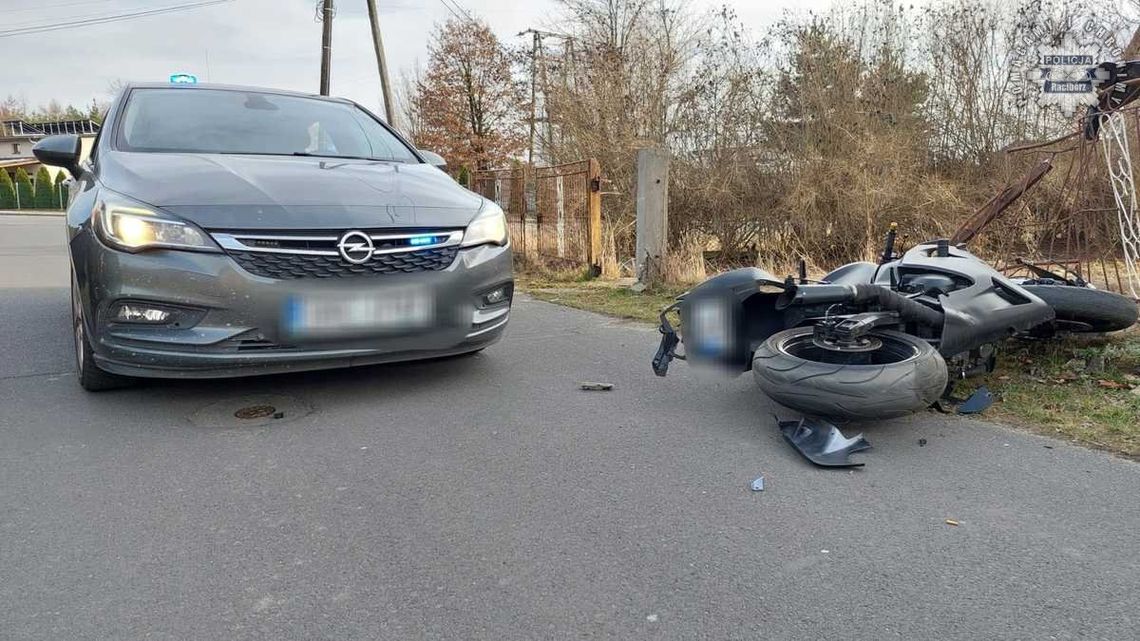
x,y
378,44
536,60
533,91
326,44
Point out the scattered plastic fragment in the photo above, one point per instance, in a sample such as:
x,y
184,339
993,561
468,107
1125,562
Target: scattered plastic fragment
x,y
652,618
978,402
822,443
758,484
951,522
596,387
922,442
825,551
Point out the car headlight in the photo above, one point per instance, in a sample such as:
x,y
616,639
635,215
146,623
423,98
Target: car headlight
x,y
133,227
489,227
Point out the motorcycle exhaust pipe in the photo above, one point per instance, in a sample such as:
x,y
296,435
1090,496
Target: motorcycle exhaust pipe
x,y
815,295
861,293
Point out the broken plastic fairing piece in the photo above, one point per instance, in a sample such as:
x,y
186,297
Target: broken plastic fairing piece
x,y
822,443
978,402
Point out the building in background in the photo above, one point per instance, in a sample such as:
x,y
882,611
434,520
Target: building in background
x,y
18,136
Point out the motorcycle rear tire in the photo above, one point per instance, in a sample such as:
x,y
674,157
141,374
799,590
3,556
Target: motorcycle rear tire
x,y
850,391
1102,311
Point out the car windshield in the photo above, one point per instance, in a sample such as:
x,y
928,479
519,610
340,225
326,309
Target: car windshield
x,y
249,122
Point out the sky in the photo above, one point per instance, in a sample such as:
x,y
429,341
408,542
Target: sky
x,y
272,43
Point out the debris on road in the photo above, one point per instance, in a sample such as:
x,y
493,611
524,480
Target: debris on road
x,y
978,402
758,484
596,387
951,522
822,443
922,442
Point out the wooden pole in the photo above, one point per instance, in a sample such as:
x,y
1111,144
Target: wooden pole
x,y
326,44
381,63
594,216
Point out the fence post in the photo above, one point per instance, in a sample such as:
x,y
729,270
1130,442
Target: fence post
x,y
594,216
652,213
560,224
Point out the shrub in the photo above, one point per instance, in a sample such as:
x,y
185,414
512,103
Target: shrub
x,y
7,191
59,194
25,198
44,198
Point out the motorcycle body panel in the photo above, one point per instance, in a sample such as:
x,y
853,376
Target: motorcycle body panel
x,y
983,306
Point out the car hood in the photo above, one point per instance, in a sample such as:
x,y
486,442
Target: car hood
x,y
280,192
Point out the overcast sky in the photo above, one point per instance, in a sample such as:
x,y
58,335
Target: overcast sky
x,y
273,43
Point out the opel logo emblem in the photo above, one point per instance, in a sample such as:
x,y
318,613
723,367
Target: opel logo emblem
x,y
355,247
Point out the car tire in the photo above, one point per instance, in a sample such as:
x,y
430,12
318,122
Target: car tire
x,y
1101,311
851,391
90,377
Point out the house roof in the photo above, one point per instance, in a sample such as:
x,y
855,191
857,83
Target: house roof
x,y
13,163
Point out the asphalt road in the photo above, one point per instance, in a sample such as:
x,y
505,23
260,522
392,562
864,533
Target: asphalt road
x,y
488,498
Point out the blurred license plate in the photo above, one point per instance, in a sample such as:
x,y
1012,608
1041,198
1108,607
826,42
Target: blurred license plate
x,y
355,314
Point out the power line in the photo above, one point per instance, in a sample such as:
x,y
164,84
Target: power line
x,y
107,19
450,10
42,8
457,10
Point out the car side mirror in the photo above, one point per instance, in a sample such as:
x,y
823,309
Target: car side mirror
x,y
433,158
59,151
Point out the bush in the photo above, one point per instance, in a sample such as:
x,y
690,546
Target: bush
x,y
7,191
44,199
25,197
59,195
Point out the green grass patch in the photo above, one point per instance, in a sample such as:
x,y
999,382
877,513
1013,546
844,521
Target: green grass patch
x,y
1084,389
604,297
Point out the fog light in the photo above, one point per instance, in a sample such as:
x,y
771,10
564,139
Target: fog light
x,y
134,313
495,296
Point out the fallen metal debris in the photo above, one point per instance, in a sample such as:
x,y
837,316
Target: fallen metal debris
x,y
978,402
596,387
822,443
758,484
951,522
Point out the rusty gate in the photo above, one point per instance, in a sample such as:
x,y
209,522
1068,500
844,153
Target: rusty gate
x,y
554,213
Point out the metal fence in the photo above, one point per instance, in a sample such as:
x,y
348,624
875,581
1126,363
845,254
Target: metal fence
x,y
554,213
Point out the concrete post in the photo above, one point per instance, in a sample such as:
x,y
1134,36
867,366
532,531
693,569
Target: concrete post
x,y
652,213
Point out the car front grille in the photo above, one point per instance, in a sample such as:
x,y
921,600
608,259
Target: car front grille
x,y
287,256
286,266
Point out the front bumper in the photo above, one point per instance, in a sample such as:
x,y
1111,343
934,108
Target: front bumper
x,y
238,328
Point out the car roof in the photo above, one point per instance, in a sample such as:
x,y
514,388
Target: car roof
x,y
224,87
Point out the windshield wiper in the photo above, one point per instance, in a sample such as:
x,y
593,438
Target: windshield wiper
x,y
312,155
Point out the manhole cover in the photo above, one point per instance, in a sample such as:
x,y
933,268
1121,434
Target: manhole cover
x,y
251,411
256,411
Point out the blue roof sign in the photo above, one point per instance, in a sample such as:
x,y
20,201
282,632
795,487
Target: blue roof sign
x,y
183,79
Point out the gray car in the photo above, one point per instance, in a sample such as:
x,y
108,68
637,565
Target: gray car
x,y
224,231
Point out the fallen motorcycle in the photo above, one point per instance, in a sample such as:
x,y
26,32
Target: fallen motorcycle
x,y
873,341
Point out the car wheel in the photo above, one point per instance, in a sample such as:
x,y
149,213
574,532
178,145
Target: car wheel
x,y
91,378
903,375
1089,310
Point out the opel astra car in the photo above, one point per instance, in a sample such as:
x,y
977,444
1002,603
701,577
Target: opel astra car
x,y
223,231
